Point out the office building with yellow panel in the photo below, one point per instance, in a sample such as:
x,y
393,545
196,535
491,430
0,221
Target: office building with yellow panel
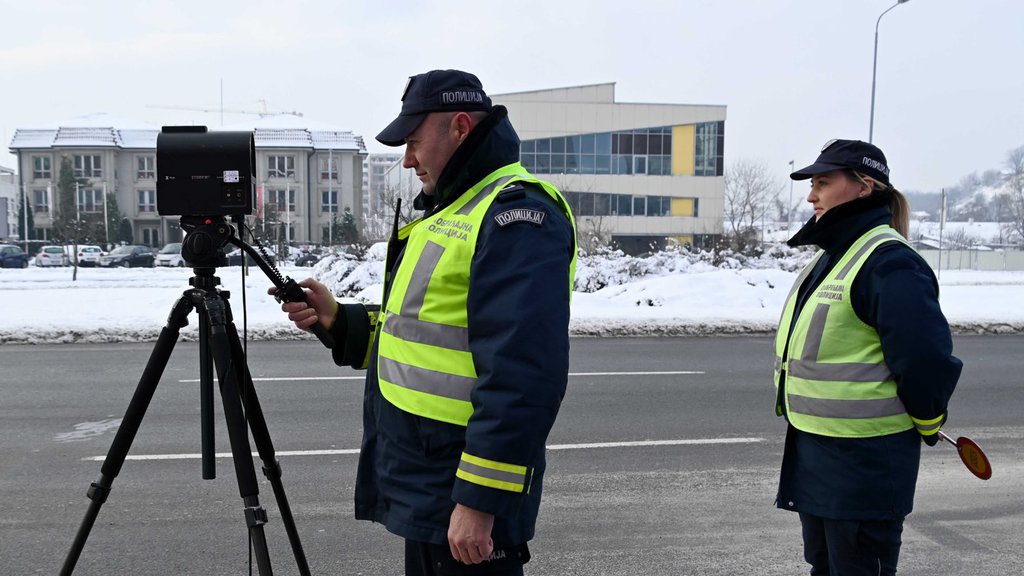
x,y
641,174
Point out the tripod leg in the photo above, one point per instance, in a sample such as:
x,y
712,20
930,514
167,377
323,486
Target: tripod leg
x,y
206,401
228,371
129,427
264,445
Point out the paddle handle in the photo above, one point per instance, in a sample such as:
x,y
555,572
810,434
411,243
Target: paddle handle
x,y
946,437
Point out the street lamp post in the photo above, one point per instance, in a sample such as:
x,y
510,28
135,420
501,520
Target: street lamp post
x,y
874,70
789,207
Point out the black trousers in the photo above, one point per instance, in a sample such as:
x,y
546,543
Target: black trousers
x,y
434,560
851,547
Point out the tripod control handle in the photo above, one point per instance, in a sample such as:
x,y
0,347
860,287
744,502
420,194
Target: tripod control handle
x,y
292,292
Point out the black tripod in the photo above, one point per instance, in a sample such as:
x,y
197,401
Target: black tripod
x,y
219,342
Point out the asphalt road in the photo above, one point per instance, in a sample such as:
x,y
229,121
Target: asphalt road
x,y
664,461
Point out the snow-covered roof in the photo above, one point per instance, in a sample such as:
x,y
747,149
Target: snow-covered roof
x,y
92,131
291,131
104,130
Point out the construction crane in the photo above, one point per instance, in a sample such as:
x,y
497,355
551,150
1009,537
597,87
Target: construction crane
x,y
261,113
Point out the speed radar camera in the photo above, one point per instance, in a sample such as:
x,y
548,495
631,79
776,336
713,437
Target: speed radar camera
x,y
202,173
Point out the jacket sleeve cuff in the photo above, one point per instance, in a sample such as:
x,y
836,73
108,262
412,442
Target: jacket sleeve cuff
x,y
930,426
491,486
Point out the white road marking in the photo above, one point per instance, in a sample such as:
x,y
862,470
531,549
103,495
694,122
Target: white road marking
x,y
351,451
641,443
88,430
320,378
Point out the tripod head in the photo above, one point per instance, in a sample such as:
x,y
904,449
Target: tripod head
x,y
205,238
203,250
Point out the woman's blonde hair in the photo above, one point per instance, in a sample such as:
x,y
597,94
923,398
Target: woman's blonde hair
x,y
898,204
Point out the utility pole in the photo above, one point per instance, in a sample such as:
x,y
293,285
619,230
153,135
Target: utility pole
x,y
106,232
24,215
332,205
874,70
789,210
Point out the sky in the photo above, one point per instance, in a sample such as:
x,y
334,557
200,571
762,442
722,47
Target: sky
x,y
793,73
682,297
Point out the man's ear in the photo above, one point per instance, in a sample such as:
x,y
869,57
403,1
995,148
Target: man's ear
x,y
461,125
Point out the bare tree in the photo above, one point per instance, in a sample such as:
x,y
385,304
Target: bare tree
x,y
751,191
380,219
1015,190
592,234
592,229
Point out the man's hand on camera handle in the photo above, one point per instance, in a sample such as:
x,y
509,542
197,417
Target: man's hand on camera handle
x,y
320,305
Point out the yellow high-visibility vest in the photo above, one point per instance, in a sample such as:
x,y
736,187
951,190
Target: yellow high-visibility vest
x,y
424,363
835,376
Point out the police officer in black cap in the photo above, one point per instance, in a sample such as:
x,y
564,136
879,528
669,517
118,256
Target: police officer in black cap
x,y
468,359
864,368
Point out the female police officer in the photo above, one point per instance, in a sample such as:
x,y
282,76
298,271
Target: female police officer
x,y
864,366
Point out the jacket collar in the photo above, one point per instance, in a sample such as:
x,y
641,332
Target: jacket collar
x,y
838,228
491,145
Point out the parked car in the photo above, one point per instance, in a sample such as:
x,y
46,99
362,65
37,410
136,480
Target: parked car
x,y
308,259
170,255
88,255
52,256
235,258
132,256
12,256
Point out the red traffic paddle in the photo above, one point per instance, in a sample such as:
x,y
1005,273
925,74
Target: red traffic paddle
x,y
971,454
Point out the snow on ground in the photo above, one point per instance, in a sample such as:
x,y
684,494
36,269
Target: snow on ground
x,y
43,305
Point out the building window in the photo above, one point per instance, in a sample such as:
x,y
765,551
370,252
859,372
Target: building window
x,y
281,167
329,201
90,200
623,205
644,151
709,143
639,205
150,236
639,164
41,168
146,168
329,168
147,201
281,200
87,166
40,200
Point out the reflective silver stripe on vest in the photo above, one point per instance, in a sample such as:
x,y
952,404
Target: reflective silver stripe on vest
x,y
491,474
825,408
866,247
416,330
842,372
407,325
429,381
808,367
416,291
490,188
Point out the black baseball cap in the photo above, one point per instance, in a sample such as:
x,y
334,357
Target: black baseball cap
x,y
848,154
434,91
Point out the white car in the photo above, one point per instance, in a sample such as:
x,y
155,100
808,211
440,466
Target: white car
x,y
170,255
52,256
89,255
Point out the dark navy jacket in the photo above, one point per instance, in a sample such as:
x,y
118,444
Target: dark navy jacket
x,y
518,310
897,294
